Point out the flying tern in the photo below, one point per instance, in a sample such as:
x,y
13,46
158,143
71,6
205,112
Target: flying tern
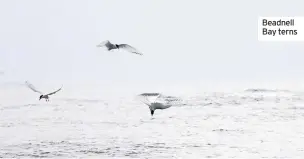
x,y
42,95
125,47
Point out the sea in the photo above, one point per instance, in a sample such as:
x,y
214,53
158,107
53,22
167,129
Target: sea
x,y
248,124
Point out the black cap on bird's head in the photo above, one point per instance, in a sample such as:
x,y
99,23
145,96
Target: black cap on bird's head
x,y
152,112
40,97
117,45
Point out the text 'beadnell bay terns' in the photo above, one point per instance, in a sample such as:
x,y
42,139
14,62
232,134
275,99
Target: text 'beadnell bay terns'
x,y
278,23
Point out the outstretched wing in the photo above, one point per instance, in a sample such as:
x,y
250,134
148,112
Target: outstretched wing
x,y
160,98
129,49
150,94
106,43
172,100
55,91
32,87
149,98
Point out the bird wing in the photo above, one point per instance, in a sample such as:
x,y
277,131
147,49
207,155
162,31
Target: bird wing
x,y
146,98
157,97
129,48
149,94
147,103
106,43
32,87
55,91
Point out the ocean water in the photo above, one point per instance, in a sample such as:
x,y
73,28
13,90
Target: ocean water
x,y
254,124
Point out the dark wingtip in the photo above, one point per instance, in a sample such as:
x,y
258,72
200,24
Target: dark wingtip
x,y
152,112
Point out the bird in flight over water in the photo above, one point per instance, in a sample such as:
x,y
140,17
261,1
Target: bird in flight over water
x,y
154,105
125,47
42,95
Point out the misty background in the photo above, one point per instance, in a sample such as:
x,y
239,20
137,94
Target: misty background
x,y
188,46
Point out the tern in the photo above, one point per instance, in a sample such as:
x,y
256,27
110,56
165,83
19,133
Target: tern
x,y
45,96
156,105
125,47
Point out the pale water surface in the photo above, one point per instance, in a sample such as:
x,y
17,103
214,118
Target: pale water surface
x,y
250,124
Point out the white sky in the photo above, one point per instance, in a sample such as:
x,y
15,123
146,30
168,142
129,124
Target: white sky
x,y
187,44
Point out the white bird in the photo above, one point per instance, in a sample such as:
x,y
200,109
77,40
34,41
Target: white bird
x,y
111,46
154,105
46,96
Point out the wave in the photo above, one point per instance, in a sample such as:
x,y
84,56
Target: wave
x,y
254,90
82,100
